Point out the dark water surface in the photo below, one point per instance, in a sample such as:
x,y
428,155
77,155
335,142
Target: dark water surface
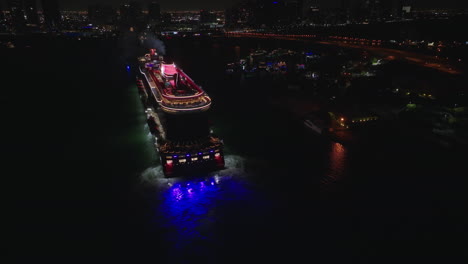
x,y
83,180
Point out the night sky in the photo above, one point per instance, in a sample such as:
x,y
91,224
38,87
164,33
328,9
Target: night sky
x,y
223,4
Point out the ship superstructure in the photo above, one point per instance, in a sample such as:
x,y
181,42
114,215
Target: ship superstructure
x,y
173,89
176,109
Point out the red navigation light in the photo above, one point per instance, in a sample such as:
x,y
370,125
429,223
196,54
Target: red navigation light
x,y
219,160
168,167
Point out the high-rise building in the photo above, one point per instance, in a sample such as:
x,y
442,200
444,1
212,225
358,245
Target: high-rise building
x,y
166,18
292,11
407,8
3,26
207,17
373,10
101,14
265,13
396,8
30,12
1,11
131,14
154,11
353,10
18,21
295,10
51,12
241,14
23,12
270,13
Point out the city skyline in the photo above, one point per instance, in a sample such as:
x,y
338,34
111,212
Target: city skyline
x,y
167,5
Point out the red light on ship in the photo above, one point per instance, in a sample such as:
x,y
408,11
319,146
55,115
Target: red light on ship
x,y
219,160
168,167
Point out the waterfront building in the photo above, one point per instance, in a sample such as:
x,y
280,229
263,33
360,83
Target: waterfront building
x,y
52,16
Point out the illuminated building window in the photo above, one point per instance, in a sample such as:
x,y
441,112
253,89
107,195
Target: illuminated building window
x,y
168,157
194,159
206,157
182,160
217,154
169,162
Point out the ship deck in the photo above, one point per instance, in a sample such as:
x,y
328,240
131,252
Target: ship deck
x,y
174,90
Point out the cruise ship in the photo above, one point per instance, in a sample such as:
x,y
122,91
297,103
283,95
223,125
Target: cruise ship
x,y
176,109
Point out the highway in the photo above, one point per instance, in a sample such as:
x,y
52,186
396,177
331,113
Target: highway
x,y
427,61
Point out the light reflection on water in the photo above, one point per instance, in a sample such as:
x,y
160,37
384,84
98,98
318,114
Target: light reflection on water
x,y
205,217
189,208
337,165
195,212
